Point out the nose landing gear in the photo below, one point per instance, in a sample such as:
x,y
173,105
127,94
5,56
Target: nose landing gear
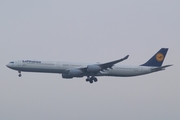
x,y
19,73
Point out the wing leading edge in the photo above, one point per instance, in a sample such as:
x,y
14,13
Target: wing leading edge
x,y
111,64
104,66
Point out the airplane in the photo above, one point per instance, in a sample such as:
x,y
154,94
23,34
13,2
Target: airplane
x,y
91,71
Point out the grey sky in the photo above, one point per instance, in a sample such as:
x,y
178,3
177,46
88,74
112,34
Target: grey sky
x,y
89,31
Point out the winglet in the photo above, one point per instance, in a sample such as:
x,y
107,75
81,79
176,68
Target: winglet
x,y
126,57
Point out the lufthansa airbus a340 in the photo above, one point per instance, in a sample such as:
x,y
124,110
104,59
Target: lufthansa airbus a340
x,y
70,70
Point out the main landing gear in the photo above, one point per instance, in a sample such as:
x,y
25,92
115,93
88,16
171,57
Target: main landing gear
x,y
91,79
19,73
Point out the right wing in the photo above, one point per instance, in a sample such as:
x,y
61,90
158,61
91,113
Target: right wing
x,y
90,70
111,64
95,68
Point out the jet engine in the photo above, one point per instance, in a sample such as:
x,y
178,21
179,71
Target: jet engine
x,y
72,73
93,68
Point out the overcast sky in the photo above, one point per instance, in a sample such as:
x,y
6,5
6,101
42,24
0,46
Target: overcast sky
x,y
89,31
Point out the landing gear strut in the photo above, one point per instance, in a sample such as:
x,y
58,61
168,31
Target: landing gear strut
x,y
91,79
87,79
19,73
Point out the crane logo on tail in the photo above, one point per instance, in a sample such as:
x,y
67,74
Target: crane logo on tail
x,y
159,57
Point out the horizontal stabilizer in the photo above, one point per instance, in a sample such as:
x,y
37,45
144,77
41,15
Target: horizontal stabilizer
x,y
160,68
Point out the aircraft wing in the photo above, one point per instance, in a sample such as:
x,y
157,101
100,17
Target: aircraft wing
x,y
110,64
100,67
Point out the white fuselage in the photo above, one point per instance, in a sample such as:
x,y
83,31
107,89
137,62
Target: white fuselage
x,y
60,67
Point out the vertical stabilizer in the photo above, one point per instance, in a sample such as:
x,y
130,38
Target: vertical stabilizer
x,y
157,59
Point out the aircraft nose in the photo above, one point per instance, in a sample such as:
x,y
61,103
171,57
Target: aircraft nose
x,y
8,65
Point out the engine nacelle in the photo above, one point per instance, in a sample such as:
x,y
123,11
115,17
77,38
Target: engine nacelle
x,y
67,76
72,73
93,68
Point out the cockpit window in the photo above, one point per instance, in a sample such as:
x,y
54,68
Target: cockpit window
x,y
11,62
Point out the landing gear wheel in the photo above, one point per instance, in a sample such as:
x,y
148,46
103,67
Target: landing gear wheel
x,y
91,81
95,79
87,80
19,75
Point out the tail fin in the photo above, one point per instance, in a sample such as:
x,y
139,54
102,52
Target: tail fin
x,y
157,59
